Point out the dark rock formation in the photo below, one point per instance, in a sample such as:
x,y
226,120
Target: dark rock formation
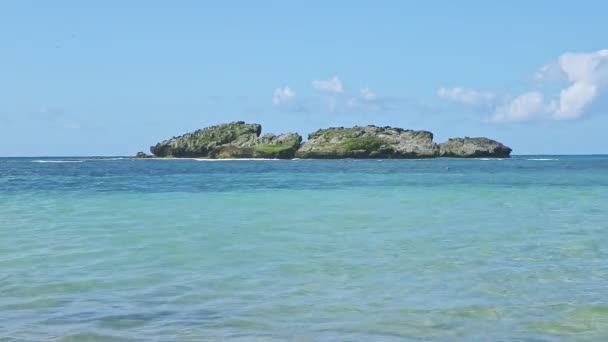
x,y
243,140
473,148
368,142
142,155
232,140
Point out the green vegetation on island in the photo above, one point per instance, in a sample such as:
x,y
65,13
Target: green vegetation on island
x,y
244,140
231,140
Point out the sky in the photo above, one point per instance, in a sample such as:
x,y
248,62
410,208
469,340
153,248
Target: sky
x,y
84,78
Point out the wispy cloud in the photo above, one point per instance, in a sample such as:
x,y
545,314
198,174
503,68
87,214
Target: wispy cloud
x,y
367,94
285,99
332,85
71,125
524,107
369,102
282,96
469,97
336,100
550,72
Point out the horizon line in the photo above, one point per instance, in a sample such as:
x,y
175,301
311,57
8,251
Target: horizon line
x,y
132,156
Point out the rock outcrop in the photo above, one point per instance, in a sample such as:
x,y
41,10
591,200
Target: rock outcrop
x,y
142,155
232,140
368,142
473,148
243,140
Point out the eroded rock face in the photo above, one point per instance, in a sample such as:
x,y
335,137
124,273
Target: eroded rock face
x,y
473,148
243,140
368,142
282,146
142,155
231,140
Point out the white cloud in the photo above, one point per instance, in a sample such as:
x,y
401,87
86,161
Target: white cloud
x,y
524,107
366,101
469,97
332,85
367,94
549,72
337,100
578,83
283,96
574,99
586,74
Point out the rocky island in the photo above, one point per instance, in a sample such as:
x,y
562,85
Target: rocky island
x,y
368,142
244,140
232,140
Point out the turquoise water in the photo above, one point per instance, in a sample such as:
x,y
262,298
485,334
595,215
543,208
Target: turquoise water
x,y
345,250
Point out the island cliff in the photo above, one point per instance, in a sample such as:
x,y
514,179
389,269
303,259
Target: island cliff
x,y
231,140
244,140
368,142
473,148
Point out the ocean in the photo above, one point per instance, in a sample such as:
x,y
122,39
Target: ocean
x,y
118,249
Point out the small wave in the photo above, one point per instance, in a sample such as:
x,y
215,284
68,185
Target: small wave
x,y
541,159
490,158
103,159
233,159
57,161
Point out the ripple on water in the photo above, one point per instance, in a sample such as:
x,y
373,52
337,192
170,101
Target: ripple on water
x,y
590,320
93,337
308,250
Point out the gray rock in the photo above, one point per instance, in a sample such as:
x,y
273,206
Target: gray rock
x,y
142,155
474,148
231,140
243,140
368,142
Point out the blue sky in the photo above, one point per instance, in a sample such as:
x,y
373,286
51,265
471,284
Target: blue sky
x,y
114,77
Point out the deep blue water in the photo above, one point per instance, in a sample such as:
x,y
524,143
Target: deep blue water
x,y
308,250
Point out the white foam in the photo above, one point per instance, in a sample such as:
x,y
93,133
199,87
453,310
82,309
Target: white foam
x,y
541,159
57,161
80,160
103,159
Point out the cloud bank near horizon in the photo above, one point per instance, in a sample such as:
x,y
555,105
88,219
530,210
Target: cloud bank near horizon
x,y
572,86
581,79
333,97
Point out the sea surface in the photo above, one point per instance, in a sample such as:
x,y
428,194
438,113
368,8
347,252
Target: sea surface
x,y
117,249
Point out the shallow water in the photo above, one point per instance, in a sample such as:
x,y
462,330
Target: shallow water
x,y
347,250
